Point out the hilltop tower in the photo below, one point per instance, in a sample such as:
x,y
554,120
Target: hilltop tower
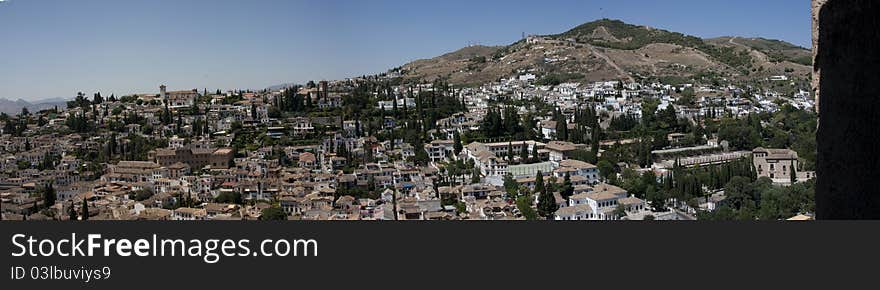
x,y
323,87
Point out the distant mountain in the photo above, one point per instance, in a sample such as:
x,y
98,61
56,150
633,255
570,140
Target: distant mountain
x,y
774,50
281,86
14,107
611,49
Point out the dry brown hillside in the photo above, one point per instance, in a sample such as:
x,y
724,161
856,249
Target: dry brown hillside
x,y
610,50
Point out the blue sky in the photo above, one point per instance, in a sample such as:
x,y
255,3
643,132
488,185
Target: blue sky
x,y
55,48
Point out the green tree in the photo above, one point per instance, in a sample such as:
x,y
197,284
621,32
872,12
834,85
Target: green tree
x,y
524,153
141,195
493,125
71,212
85,210
687,97
567,187
606,169
536,157
539,182
273,213
511,187
739,192
524,205
457,146
561,126
619,211
657,198
48,195
48,161
547,204
166,115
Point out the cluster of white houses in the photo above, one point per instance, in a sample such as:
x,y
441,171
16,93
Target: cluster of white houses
x,y
494,159
310,181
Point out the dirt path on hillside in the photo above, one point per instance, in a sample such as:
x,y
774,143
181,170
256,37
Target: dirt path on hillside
x,y
611,63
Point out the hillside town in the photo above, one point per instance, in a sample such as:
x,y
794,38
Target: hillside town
x,y
378,148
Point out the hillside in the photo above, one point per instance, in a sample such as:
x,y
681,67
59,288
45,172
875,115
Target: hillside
x,y
775,50
456,65
611,49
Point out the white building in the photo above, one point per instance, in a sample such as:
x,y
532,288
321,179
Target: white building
x,y
439,150
599,203
175,142
578,168
189,214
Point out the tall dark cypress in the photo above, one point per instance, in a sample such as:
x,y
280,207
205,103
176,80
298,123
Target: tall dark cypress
x,y
85,210
71,212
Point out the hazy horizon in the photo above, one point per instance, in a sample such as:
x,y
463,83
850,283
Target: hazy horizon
x,y
57,48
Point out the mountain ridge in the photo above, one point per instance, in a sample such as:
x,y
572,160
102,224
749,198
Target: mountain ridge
x,y
609,49
14,107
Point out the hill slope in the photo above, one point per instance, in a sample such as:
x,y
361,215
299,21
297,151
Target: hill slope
x,y
611,49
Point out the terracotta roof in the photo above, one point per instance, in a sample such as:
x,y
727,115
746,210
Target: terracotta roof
x,y
560,146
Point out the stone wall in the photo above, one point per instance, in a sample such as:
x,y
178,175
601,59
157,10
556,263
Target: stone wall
x,y
847,66
817,5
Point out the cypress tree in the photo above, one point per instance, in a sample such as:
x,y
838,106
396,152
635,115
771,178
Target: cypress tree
x,y
457,146
595,135
546,202
72,212
85,210
535,156
393,106
539,182
179,127
48,195
567,187
561,126
166,115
